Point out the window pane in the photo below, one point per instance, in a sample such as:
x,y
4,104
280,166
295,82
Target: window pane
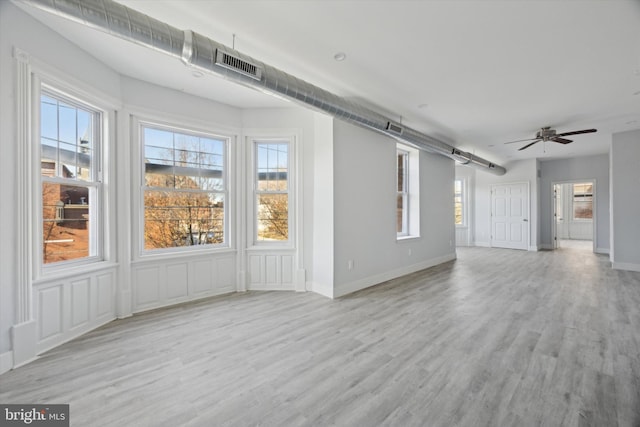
x,y
67,151
401,171
583,201
65,222
272,217
67,141
175,219
457,202
400,218
272,167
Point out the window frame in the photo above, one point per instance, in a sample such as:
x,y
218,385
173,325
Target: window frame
x,y
463,201
139,123
402,193
583,195
97,221
252,138
411,203
252,233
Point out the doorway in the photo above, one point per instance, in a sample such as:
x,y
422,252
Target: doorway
x,y
574,215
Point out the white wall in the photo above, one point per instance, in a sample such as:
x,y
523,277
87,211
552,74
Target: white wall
x,y
520,171
365,211
594,168
321,278
625,200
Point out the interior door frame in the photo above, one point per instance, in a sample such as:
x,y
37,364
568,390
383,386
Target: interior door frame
x,y
554,228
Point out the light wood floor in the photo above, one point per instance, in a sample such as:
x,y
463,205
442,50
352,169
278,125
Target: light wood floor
x,y
496,338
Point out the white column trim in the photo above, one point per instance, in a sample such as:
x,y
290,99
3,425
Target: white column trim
x,y
24,306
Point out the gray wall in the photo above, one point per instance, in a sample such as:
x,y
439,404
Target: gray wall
x,y
625,200
594,168
365,211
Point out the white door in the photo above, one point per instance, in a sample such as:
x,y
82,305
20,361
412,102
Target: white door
x,y
510,216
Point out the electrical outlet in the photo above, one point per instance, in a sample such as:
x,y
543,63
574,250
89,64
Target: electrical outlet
x,y
350,264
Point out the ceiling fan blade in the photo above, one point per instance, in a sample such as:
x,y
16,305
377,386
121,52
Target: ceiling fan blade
x,y
529,145
577,132
561,140
521,140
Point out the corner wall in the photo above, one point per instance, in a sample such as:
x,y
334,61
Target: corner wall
x,y
625,203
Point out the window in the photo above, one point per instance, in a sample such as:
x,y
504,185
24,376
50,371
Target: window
x,y
272,191
459,202
184,188
407,192
583,201
70,172
402,196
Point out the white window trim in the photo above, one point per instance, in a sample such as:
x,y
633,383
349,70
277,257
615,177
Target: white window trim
x,y
412,180
103,207
158,120
292,186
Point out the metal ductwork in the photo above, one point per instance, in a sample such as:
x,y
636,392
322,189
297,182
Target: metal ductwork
x,y
207,55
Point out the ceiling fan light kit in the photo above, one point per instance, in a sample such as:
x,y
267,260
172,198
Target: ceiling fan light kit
x,y
547,134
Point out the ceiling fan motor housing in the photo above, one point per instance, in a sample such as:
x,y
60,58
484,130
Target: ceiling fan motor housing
x,y
546,133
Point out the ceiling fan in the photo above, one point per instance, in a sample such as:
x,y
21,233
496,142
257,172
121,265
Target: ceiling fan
x,y
548,134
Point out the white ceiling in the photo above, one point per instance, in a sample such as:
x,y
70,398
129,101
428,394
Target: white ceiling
x,y
474,73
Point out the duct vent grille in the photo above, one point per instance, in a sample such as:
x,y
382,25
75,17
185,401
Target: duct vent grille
x,y
230,62
392,127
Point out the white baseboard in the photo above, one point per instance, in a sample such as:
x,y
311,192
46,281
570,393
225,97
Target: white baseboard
x,y
23,338
625,266
6,362
326,290
604,251
357,285
546,246
483,244
535,248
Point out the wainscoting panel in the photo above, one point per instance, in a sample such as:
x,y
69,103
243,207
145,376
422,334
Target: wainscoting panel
x,y
80,302
147,285
462,236
49,311
106,295
203,280
287,269
176,283
269,271
69,307
158,283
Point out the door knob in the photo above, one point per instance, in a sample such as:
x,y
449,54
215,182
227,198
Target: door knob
x,y
525,220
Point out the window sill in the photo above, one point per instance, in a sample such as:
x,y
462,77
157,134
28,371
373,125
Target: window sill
x,y
406,238
179,254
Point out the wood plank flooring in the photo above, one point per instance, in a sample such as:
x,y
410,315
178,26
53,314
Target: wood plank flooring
x,y
495,338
